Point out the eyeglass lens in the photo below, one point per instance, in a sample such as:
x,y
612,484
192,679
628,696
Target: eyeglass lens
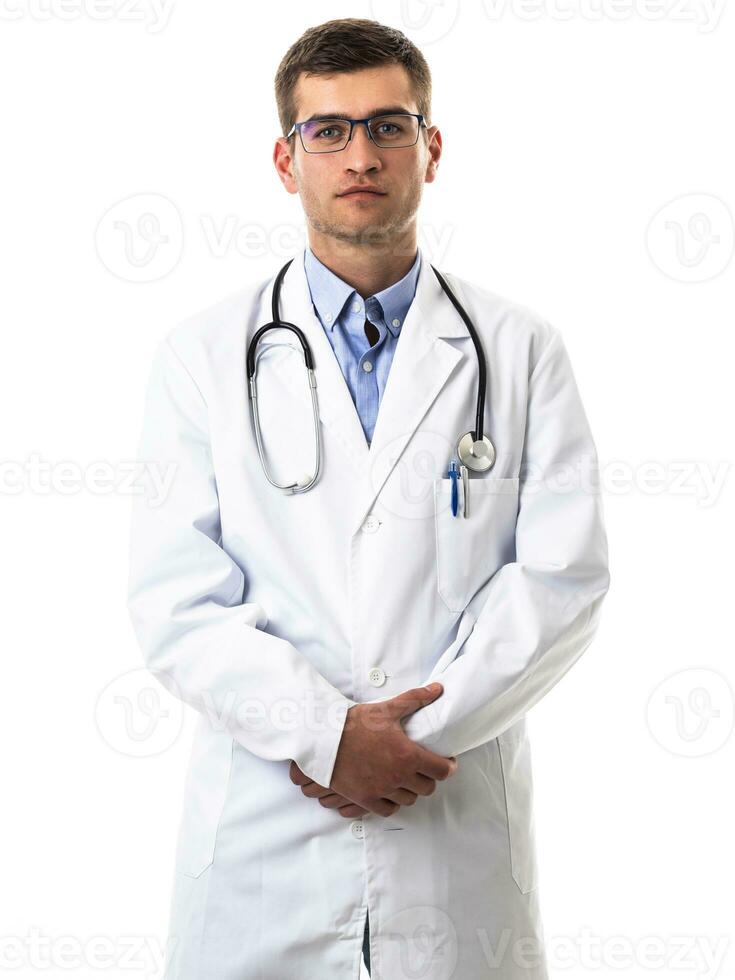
x,y
324,135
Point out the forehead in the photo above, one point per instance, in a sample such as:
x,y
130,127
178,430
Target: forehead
x,y
355,93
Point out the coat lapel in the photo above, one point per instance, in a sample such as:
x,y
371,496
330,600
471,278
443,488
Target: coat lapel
x,y
421,366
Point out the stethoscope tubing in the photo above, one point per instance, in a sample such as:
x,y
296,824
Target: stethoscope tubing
x,y
481,363
309,359
251,365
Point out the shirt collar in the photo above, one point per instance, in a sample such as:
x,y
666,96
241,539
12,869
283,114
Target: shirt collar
x,y
330,294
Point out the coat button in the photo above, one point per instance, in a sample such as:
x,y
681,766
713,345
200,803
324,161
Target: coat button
x,y
356,826
371,523
377,676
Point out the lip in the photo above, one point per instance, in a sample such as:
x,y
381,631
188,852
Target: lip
x,y
362,192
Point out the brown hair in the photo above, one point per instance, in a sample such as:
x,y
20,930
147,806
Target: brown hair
x,y
345,45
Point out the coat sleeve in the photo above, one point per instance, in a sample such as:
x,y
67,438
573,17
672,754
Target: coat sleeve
x,y
186,601
541,611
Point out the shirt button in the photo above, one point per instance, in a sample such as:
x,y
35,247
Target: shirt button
x,y
356,827
356,307
396,322
371,523
377,676
328,317
367,365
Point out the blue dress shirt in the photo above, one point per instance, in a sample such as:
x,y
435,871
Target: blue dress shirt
x,y
342,313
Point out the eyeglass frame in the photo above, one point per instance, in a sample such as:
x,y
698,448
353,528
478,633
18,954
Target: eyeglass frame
x,y
354,122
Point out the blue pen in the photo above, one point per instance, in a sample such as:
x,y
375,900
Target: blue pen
x,y
453,475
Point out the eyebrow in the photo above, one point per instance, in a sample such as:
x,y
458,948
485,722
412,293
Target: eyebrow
x,y
380,111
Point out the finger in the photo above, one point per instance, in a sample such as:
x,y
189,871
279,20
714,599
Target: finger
x,y
336,800
388,807
383,808
352,810
297,776
404,797
409,701
436,766
314,790
333,800
419,784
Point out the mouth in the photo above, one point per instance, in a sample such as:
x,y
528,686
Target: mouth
x,y
362,194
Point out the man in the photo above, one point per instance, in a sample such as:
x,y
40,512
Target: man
x,y
339,801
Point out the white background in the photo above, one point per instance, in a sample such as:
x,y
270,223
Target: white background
x,y
568,128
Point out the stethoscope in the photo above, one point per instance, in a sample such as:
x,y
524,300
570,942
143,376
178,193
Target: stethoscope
x,y
474,448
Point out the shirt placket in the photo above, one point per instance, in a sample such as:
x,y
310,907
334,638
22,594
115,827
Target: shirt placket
x,y
367,368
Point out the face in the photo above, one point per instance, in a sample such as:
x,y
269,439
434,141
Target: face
x,y
321,179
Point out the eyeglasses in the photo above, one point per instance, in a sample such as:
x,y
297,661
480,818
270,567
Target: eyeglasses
x,y
389,131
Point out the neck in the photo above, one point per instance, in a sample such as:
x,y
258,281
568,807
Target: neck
x,y
366,266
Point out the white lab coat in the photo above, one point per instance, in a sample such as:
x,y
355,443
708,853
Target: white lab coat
x,y
273,614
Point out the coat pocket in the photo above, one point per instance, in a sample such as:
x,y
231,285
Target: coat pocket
x,y
471,549
515,761
207,781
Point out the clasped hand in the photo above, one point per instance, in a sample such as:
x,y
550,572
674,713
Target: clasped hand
x,y
378,767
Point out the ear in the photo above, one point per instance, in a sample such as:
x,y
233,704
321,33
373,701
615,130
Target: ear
x,y
434,146
283,162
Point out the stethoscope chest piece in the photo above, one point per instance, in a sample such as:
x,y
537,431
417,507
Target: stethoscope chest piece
x,y
477,455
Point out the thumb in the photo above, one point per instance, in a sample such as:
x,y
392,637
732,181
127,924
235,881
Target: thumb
x,y
416,698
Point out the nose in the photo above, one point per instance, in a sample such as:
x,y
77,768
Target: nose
x,y
361,153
